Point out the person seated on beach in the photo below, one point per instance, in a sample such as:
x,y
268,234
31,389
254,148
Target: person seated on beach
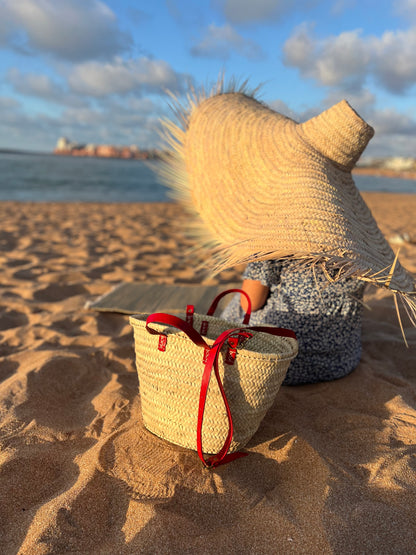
x,y
326,317
279,197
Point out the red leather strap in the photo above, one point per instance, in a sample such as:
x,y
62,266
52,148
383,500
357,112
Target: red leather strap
x,y
212,362
217,299
271,330
222,456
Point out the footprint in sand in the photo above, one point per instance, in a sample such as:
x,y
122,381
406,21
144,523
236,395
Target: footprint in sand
x,y
12,319
34,476
147,466
70,326
28,273
8,241
16,262
100,271
7,368
60,392
54,292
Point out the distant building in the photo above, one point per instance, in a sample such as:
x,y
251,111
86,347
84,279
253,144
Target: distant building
x,y
63,144
91,150
66,147
399,163
107,151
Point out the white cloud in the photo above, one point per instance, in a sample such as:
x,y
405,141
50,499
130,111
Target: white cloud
x,y
42,86
299,49
333,61
7,103
344,58
122,120
111,122
341,6
250,11
391,144
406,8
221,41
131,122
72,29
125,76
391,122
33,84
143,106
23,131
282,108
395,60
362,101
348,59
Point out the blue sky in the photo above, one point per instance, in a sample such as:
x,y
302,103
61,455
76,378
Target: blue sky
x,y
97,71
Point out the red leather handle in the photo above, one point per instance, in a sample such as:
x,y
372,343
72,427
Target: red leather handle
x,y
163,318
217,299
212,362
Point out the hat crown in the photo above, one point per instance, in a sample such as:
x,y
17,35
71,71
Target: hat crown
x,y
339,133
262,186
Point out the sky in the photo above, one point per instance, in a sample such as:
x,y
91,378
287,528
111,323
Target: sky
x,y
100,71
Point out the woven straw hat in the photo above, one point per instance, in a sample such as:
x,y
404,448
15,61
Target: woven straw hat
x,y
265,187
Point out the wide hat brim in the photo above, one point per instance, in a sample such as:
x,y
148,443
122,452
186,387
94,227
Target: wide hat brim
x,y
262,186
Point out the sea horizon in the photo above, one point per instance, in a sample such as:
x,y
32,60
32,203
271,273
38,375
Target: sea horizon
x,y
47,177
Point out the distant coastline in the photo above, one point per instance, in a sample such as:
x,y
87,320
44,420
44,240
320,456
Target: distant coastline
x,y
65,147
108,151
389,167
19,151
384,172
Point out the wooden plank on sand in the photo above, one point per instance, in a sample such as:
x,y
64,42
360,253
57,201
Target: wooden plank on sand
x,y
130,298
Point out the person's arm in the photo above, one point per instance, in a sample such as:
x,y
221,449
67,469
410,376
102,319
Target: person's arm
x,y
257,292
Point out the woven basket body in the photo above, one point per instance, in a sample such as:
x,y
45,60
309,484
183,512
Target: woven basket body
x,y
170,383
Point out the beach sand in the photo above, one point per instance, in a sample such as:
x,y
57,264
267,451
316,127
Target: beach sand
x,y
332,468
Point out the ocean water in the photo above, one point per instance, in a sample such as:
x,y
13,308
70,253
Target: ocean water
x,y
49,178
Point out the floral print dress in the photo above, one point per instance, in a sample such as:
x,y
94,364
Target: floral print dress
x,y
326,317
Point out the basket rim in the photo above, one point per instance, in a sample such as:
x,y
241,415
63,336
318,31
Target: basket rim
x,y
140,323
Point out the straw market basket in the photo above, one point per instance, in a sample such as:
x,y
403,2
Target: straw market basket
x,y
251,367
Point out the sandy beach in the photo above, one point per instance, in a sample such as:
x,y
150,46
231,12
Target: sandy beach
x,y
332,468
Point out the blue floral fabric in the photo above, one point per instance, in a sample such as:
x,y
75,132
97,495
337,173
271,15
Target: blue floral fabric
x,y
326,317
